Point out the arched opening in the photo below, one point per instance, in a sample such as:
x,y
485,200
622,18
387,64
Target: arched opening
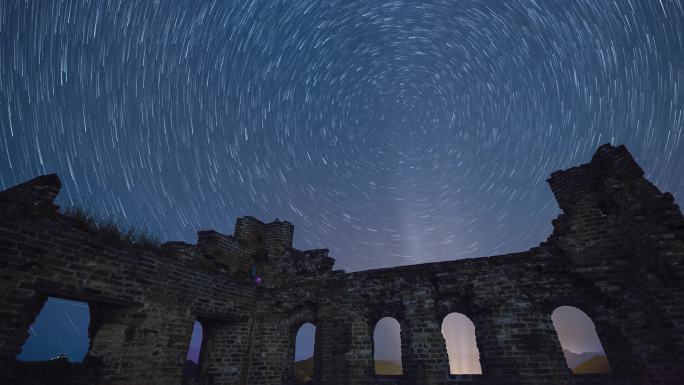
x,y
191,366
60,331
581,345
459,334
387,347
304,353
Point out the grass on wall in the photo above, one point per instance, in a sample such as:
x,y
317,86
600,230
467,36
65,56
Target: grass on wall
x,y
109,231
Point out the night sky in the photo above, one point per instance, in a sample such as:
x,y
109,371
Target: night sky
x,y
391,132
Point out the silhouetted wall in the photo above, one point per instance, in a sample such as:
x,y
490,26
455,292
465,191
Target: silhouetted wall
x,y
616,253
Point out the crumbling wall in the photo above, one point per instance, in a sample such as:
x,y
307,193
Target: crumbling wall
x,y
143,302
624,240
616,253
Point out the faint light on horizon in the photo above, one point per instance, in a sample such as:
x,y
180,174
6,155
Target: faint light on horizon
x,y
459,335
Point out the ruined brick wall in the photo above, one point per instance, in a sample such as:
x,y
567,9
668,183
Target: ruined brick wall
x,y
624,240
225,250
143,303
616,253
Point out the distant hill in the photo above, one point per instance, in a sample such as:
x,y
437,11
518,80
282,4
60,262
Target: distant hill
x,y
576,359
59,371
388,368
304,370
189,369
596,364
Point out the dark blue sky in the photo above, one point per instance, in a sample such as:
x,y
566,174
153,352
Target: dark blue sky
x,y
61,328
391,132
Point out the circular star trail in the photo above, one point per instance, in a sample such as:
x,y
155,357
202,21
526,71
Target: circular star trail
x,y
391,132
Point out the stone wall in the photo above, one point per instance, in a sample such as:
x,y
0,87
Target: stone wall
x,y
616,253
143,302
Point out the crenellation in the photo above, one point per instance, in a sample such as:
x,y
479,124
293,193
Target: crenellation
x,y
226,250
248,229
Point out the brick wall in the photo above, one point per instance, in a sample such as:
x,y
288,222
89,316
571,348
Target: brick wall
x,y
616,253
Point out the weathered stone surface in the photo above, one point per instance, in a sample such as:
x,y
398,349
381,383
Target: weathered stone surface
x,y
616,253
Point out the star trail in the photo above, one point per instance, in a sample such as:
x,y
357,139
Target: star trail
x,y
390,132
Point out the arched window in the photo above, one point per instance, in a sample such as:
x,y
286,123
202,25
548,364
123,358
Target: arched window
x,y
581,346
304,352
459,333
387,347
192,358
59,331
